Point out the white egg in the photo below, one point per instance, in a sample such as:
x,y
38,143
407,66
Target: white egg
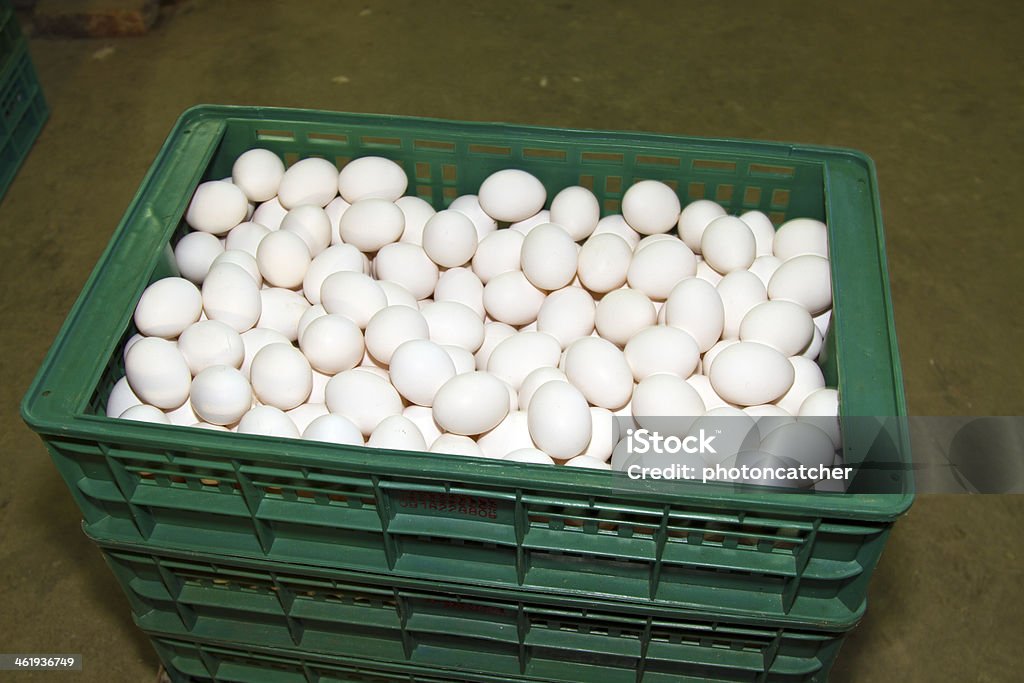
x,y
145,413
764,267
821,408
216,207
588,463
371,178
230,295
666,404
661,349
254,340
749,373
268,421
449,238
801,236
335,210
517,356
334,259
258,173
576,209
529,455
398,295
469,206
511,434
806,280
534,380
461,285
121,398
549,257
333,344
245,237
453,323
658,267
456,444
728,245
409,266
423,418
353,295
707,273
694,218
419,368
617,225
803,442
211,342
651,239
650,207
304,415
269,214
167,307
813,349
194,254
712,401
559,420
622,313
283,258
158,373
362,397
390,327
417,212
740,291
603,262
602,434
308,316
309,181
281,310
494,333
712,353
463,360
764,231
281,376
369,224
782,325
471,404
695,306
525,226
511,298
567,315
499,252
511,195
243,260
220,395
397,432
333,428
599,369
310,223
807,379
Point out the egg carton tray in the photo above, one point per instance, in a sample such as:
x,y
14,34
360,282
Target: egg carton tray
x,y
434,624
794,556
23,109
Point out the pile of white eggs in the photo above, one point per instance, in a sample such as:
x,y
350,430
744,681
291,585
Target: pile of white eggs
x,y
332,307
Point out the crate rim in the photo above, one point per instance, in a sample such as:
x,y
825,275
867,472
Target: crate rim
x,y
63,415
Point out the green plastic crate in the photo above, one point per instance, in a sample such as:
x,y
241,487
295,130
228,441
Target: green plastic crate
x,y
444,625
199,661
794,557
23,110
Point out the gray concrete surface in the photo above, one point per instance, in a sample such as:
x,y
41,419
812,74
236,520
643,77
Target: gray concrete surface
x,y
933,91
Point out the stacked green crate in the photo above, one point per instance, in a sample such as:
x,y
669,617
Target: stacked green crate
x,y
778,578
22,107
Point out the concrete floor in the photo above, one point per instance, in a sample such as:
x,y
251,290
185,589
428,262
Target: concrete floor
x,y
933,92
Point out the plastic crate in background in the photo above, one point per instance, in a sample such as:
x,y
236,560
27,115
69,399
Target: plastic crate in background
x,y
22,107
555,639
798,558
